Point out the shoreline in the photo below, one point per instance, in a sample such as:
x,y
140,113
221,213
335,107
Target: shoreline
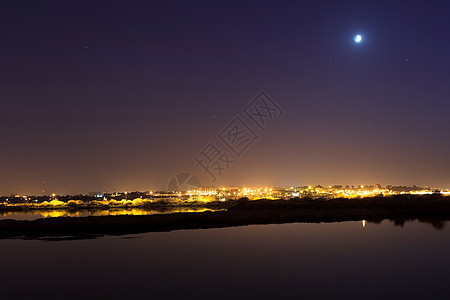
x,y
433,209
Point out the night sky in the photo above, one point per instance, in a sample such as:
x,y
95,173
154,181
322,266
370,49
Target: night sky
x,y
122,95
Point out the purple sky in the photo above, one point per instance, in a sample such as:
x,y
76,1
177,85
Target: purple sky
x,y
122,95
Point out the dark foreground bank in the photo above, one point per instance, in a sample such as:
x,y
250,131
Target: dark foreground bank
x,y
433,209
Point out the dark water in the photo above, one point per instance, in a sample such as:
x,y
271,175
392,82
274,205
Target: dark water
x,y
288,261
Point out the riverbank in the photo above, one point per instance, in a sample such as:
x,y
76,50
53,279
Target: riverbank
x,y
79,205
433,209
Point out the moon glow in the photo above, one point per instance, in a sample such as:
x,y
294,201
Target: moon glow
x,y
358,38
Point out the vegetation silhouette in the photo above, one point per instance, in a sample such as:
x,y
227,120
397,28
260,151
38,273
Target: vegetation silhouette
x,y
432,209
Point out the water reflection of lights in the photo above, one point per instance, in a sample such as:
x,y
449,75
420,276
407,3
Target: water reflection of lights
x,y
38,214
363,223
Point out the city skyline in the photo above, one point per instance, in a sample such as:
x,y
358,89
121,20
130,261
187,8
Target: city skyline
x,y
357,190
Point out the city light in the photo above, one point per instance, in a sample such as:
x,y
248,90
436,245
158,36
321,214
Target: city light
x,y
223,193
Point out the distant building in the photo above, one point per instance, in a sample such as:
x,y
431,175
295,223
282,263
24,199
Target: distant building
x,y
96,194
